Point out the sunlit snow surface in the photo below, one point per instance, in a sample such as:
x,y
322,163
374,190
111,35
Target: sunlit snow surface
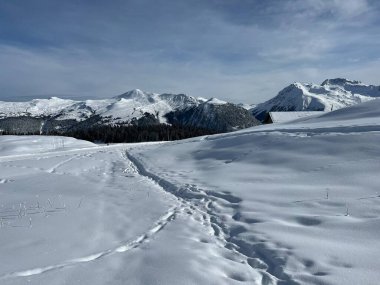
x,y
283,117
295,203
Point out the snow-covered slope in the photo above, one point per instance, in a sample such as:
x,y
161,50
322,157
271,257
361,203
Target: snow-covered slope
x,y
282,117
331,95
276,204
16,145
129,108
297,203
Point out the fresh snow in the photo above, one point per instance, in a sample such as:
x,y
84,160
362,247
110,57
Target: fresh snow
x,y
247,106
21,145
294,203
283,117
331,95
215,101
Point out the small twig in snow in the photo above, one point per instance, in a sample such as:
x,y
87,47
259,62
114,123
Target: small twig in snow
x,y
80,202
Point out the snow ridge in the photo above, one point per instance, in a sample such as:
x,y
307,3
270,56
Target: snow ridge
x,y
331,95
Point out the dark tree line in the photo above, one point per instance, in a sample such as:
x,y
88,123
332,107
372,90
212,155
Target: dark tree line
x,y
18,133
122,133
129,134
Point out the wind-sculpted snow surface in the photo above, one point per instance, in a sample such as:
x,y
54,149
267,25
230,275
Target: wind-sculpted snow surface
x,y
87,216
299,203
277,204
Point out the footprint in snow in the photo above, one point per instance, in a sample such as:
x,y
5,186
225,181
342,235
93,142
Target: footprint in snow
x,y
3,181
308,221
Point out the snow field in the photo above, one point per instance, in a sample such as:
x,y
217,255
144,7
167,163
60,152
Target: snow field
x,y
299,202
88,216
294,203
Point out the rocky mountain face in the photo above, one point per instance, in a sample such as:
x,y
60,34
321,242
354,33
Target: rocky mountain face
x,y
331,95
133,108
216,115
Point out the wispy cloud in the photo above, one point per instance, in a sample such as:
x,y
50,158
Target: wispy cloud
x,y
238,50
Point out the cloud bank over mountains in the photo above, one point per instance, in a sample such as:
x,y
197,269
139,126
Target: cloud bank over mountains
x,y
237,50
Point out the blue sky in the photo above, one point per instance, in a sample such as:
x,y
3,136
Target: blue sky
x,y
237,50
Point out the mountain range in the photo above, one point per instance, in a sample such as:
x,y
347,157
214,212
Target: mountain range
x,y
133,108
144,109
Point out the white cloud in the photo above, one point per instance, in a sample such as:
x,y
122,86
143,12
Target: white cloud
x,y
297,48
329,14
350,8
344,9
58,71
205,55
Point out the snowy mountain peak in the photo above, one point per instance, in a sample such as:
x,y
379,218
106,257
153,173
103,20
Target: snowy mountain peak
x,y
332,94
295,87
133,94
298,85
215,101
340,82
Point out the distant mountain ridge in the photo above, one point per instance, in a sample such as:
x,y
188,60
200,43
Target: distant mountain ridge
x,y
144,109
331,95
134,107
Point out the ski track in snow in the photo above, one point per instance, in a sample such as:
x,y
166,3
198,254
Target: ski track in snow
x,y
257,257
124,247
55,167
192,201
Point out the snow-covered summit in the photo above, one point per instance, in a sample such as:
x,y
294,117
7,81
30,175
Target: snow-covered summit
x,y
132,94
331,95
179,101
136,94
216,101
340,81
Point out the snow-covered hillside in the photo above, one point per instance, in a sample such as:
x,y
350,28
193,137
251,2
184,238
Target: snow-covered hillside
x,y
297,203
122,108
276,204
331,95
134,107
21,145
